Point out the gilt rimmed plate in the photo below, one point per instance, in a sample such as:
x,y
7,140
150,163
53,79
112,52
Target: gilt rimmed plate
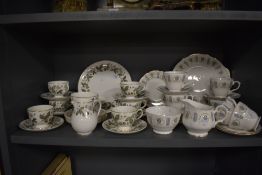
x,y
28,125
102,116
199,69
228,130
110,126
152,80
49,96
104,78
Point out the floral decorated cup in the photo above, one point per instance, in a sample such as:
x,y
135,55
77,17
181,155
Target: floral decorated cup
x,y
175,80
58,88
221,86
137,103
163,119
131,89
125,116
41,115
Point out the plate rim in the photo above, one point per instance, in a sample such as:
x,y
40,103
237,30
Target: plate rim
x,y
223,128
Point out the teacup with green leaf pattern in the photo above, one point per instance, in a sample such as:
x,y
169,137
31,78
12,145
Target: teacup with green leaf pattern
x,y
125,116
131,89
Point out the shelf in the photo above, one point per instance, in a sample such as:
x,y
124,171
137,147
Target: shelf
x,y
66,136
131,15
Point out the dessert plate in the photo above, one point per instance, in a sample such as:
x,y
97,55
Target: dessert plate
x,y
152,80
228,130
27,125
199,69
49,96
138,126
104,78
102,116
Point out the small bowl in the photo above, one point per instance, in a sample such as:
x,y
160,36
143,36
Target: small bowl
x,y
163,119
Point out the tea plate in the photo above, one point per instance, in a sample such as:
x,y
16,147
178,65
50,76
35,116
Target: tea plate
x,y
228,130
102,116
152,80
138,126
104,78
27,125
199,69
49,96
165,90
233,95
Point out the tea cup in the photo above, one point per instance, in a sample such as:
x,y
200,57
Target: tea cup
x,y
125,116
58,88
139,104
163,119
221,86
175,100
131,88
243,118
175,80
41,115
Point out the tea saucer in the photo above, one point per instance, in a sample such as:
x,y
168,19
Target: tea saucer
x,y
233,95
49,96
27,125
122,97
227,129
165,90
110,126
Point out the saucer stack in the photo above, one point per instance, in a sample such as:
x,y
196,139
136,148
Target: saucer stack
x,y
176,89
131,102
58,96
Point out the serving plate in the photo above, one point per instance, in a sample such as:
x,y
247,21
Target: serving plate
x,y
199,69
104,78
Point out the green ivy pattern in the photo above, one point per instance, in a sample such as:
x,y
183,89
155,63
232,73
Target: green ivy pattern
x,y
101,68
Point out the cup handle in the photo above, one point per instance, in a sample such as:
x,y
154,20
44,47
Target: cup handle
x,y
144,102
139,115
218,109
231,100
95,108
237,87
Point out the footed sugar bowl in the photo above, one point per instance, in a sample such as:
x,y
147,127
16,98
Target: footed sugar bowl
x,y
200,118
85,112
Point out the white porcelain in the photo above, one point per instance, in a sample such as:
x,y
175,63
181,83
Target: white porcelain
x,y
243,118
228,130
101,117
175,80
163,119
151,81
200,118
104,78
221,86
60,106
41,115
131,88
199,69
28,125
125,116
138,126
58,88
85,113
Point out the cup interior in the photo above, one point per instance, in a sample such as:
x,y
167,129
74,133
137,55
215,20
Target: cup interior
x,y
163,111
40,108
57,82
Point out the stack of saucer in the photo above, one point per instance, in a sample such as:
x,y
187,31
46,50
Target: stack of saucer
x,y
132,95
127,110
176,89
58,96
